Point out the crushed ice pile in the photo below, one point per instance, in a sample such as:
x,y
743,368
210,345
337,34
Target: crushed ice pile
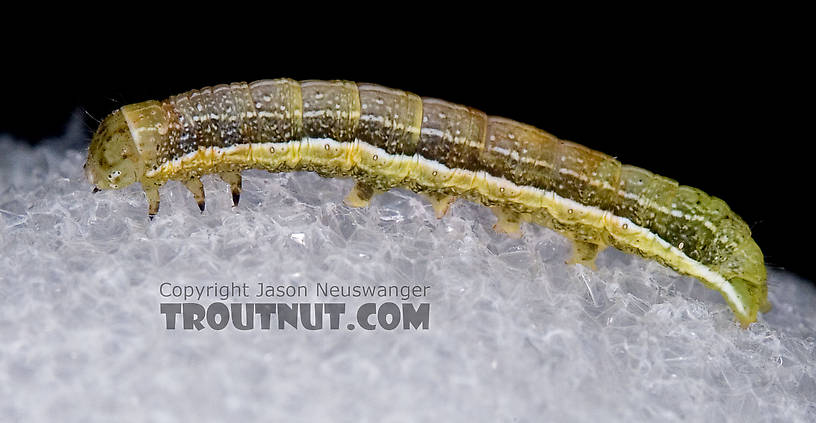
x,y
515,334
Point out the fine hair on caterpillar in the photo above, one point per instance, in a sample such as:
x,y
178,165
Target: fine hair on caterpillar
x,y
386,138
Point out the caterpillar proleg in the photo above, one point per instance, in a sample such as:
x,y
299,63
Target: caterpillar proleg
x,y
386,138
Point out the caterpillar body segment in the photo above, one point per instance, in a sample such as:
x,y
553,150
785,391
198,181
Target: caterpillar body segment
x,y
386,138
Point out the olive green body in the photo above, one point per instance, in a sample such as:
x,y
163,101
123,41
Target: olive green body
x,y
702,228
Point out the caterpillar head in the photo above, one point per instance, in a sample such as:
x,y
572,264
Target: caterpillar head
x,y
113,160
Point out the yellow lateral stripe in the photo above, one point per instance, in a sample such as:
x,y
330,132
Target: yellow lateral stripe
x,y
398,169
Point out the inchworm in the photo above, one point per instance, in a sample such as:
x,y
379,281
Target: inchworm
x,y
386,138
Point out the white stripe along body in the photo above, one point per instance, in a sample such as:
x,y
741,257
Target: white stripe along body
x,y
386,138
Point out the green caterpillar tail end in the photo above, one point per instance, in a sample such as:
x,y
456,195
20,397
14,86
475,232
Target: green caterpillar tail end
x,y
746,273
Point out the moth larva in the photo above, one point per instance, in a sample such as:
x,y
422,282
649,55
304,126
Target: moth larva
x,y
386,138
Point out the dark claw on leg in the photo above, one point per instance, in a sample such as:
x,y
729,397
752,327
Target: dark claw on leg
x,y
234,180
195,187
152,194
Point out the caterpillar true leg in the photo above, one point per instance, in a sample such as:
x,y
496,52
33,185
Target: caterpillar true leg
x,y
197,188
152,194
234,180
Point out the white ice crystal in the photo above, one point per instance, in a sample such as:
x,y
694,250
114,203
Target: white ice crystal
x,y
515,334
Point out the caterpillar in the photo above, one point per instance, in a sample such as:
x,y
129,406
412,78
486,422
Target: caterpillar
x,y
386,138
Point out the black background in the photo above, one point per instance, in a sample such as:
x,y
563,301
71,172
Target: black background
x,y
707,103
